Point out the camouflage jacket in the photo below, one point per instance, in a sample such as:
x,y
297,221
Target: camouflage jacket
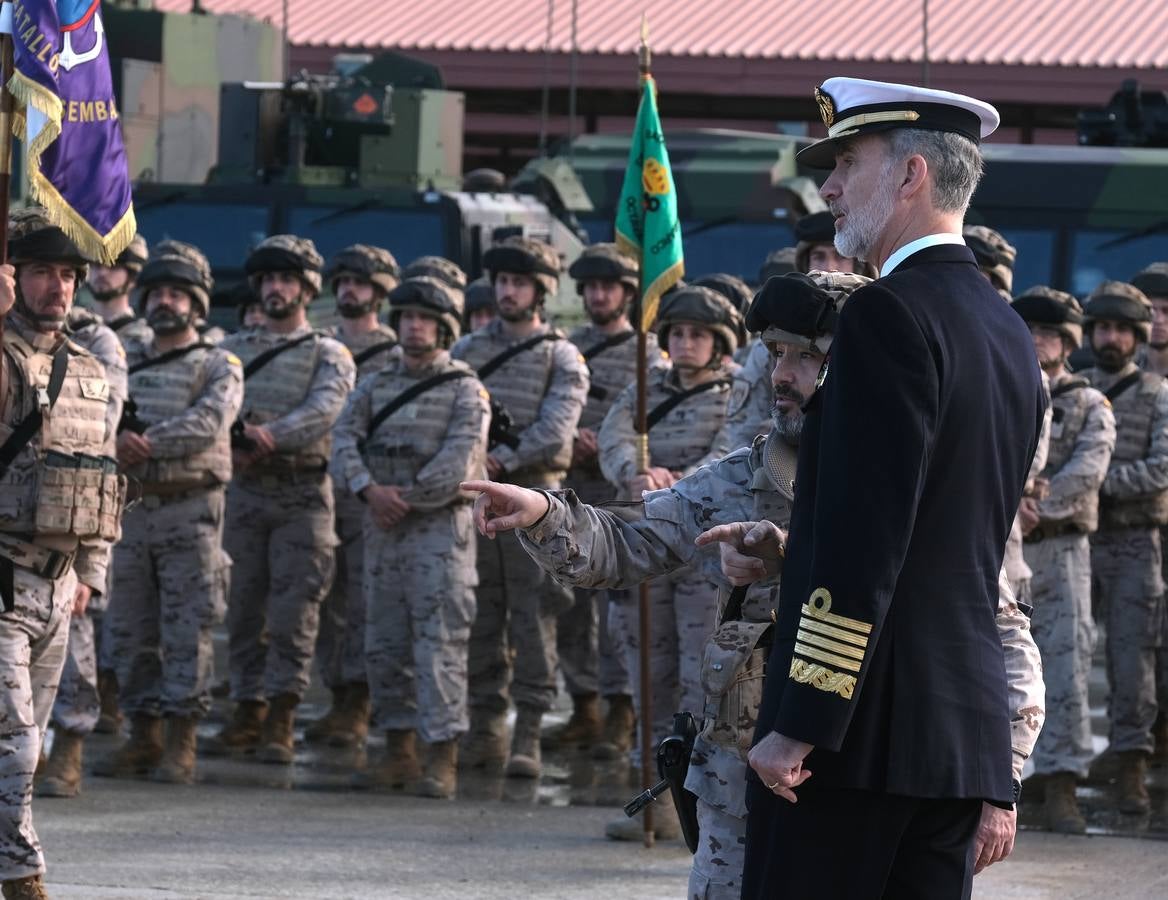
x,y
87,330
620,545
365,341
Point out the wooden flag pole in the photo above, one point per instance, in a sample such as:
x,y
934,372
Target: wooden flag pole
x,y
643,461
7,104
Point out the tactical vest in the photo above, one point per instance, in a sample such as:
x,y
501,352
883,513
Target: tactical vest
x,y
1134,414
167,390
405,442
522,382
688,430
279,387
357,345
1069,411
613,369
49,489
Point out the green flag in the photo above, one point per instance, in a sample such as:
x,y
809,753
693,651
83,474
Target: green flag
x,y
646,220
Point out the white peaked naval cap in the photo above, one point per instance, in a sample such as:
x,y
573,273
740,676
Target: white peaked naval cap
x,y
854,106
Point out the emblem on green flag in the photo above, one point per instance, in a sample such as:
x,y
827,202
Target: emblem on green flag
x,y
647,226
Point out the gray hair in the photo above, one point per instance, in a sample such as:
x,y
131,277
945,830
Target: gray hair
x,y
954,160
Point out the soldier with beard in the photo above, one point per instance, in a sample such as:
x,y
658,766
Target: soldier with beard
x,y
170,568
608,282
111,287
360,277
280,524
668,529
60,508
1153,281
409,434
1126,552
1056,525
540,379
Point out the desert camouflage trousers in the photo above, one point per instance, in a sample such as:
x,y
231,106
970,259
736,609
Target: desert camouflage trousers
x,y
420,603
33,639
77,706
716,873
1129,596
172,575
683,609
340,644
280,537
1063,629
513,641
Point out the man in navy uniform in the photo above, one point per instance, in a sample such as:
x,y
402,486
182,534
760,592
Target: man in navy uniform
x,y
884,713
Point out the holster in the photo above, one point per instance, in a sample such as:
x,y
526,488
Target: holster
x,y
673,754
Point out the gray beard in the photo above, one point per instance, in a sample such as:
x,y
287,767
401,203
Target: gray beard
x,y
863,225
789,428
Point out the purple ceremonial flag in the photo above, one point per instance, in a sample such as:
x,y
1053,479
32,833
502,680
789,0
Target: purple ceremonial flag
x,y
67,117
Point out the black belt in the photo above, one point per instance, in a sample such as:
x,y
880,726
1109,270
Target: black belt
x,y
1042,533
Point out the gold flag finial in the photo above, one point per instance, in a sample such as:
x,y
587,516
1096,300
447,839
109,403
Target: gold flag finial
x,y
643,57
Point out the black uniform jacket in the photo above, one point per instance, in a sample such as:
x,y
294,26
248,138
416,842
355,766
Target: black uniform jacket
x,y
913,459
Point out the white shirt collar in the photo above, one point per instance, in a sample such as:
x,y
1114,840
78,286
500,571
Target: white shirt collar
x,y
929,240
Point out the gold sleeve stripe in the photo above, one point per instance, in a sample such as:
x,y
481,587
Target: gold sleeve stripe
x,y
838,633
819,606
823,656
822,679
828,644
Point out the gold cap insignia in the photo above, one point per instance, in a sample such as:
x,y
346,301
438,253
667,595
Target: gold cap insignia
x,y
826,106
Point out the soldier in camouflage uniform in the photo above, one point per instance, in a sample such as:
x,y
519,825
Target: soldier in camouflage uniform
x,y
111,288
686,403
608,282
436,267
1056,524
1153,281
360,277
599,547
405,466
79,696
995,257
280,525
60,508
479,310
1125,552
170,568
542,385
740,295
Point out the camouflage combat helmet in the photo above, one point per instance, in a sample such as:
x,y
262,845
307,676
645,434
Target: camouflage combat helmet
x,y
285,253
606,262
736,291
525,256
436,267
1153,280
1042,305
1119,301
802,309
479,295
434,298
374,264
993,253
812,230
33,238
182,265
778,262
701,306
134,257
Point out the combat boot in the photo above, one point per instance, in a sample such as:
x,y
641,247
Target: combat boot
x,y
178,758
1062,809
585,726
62,775
139,754
397,769
1133,782
525,761
321,730
618,728
242,733
30,888
666,826
485,745
441,778
110,718
278,739
351,726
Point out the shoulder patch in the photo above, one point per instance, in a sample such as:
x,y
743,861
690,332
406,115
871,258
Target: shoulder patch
x,y
483,393
738,396
233,359
582,360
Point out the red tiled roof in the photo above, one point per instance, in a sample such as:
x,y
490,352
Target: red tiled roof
x,y
1133,34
